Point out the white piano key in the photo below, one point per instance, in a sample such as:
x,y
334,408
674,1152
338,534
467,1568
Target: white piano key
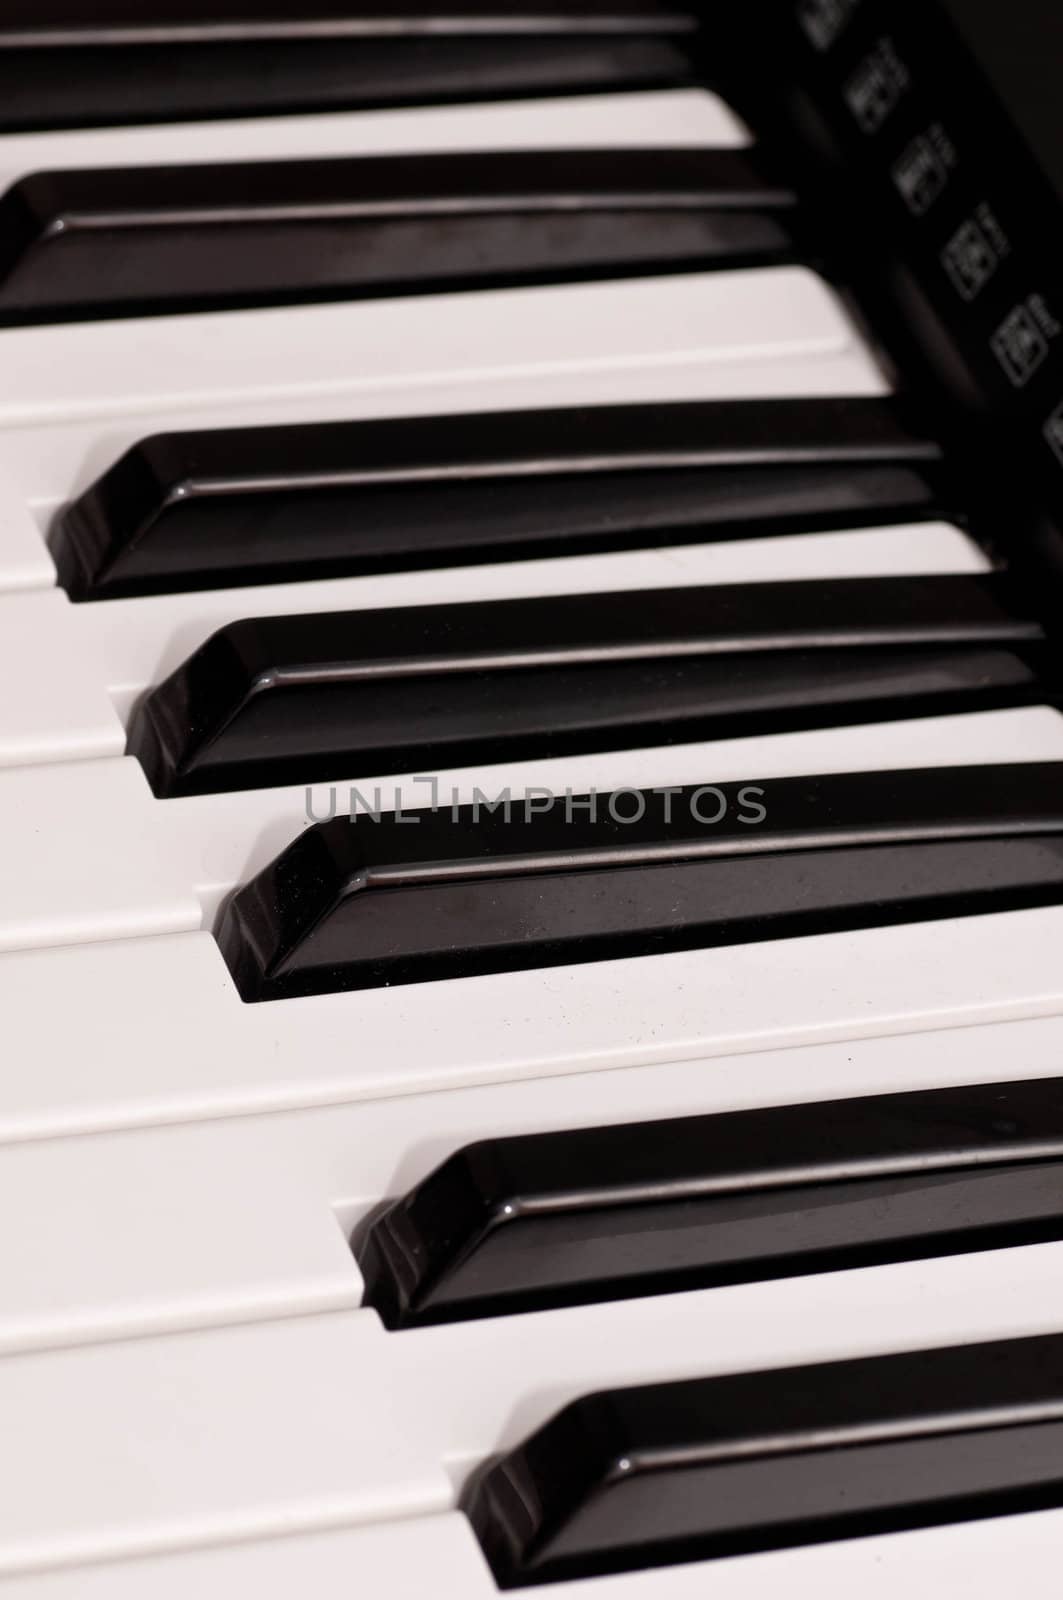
x,y
60,707
80,668
776,331
411,1559
246,1218
247,1236
676,117
134,865
439,1557
100,388
315,1422
84,859
24,559
161,1036
415,1558
202,1438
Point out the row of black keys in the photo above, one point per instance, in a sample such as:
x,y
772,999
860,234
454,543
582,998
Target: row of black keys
x,y
296,699
162,239
75,63
350,696
695,1469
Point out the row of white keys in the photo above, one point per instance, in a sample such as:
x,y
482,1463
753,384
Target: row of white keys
x,y
349,1439
75,397
244,1219
79,669
439,1557
312,1422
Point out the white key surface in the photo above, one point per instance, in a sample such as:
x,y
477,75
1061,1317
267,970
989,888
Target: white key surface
x,y
438,1556
779,330
688,117
24,559
161,1035
409,1559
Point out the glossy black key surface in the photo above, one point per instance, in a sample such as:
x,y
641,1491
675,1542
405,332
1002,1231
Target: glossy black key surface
x,y
405,897
74,63
761,1460
352,694
147,240
555,1219
259,505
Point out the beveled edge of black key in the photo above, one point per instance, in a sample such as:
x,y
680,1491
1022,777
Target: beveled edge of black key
x,y
408,1248
516,1500
511,1499
115,516
264,921
116,513
173,722
29,215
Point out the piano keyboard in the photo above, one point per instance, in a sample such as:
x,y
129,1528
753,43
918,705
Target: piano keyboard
x,y
531,841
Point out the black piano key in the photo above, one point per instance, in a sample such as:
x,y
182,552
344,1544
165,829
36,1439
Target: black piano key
x,y
67,63
761,1460
258,505
557,1219
145,240
370,898
352,694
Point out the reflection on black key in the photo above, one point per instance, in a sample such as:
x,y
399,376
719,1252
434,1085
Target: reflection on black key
x,y
149,240
508,883
556,1219
718,1466
259,505
65,63
353,694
